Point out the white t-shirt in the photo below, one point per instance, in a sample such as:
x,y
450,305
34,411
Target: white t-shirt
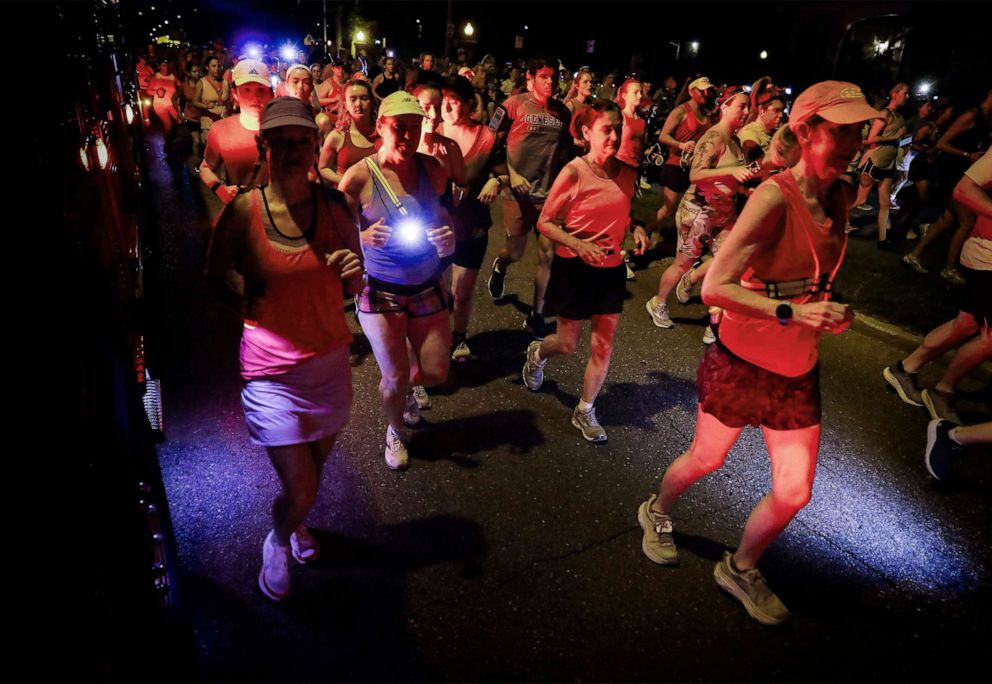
x,y
977,251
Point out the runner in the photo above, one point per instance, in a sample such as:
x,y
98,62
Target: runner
x,y
406,231
592,197
211,97
354,135
164,90
296,246
764,371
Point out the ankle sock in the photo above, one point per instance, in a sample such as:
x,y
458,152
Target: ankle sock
x,y
584,407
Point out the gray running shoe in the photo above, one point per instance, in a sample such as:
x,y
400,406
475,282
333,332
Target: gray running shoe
x,y
587,423
940,405
683,290
750,588
658,543
397,456
303,545
533,371
903,383
708,335
273,578
659,313
953,276
423,399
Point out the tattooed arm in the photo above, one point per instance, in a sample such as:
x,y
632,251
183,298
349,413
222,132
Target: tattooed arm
x,y
709,149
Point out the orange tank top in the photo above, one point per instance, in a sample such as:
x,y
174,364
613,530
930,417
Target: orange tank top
x,y
294,302
805,249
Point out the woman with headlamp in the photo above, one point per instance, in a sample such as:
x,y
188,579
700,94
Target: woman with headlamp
x,y
406,231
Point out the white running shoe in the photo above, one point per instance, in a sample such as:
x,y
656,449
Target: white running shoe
x,y
659,313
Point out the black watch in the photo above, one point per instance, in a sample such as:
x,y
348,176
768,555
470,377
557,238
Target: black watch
x,y
783,312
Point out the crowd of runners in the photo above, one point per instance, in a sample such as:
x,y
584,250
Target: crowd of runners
x,y
342,180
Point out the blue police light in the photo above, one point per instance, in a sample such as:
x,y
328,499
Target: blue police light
x,y
254,51
288,52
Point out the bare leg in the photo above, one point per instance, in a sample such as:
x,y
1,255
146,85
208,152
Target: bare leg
x,y
864,188
945,221
884,187
299,467
707,453
793,455
966,221
967,358
670,278
545,254
387,335
604,327
939,340
563,341
430,339
967,435
462,287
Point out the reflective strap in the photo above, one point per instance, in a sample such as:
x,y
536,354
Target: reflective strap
x,y
377,172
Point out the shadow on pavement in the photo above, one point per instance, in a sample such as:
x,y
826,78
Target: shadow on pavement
x,y
457,440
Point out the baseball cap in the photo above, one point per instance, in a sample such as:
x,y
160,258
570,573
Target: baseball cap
x,y
286,111
399,103
251,71
466,72
702,83
838,102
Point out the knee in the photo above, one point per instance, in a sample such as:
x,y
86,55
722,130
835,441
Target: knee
x,y
434,373
566,346
601,349
792,498
704,462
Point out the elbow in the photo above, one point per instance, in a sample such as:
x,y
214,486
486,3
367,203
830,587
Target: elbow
x,y
711,294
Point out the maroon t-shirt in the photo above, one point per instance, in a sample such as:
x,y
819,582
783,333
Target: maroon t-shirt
x,y
537,142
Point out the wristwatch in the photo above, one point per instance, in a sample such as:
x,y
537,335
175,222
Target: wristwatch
x,y
213,186
783,312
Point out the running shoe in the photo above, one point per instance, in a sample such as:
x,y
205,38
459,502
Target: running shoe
x,y
658,544
941,449
533,370
952,275
497,281
644,184
708,336
588,425
864,208
630,272
461,352
912,234
914,263
397,456
683,289
923,228
305,548
940,405
273,579
659,313
750,588
904,383
423,399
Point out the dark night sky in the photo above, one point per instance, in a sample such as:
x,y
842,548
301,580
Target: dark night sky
x,y
802,38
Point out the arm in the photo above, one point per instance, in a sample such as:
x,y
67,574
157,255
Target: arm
x,y
347,260
558,198
759,225
671,123
222,254
325,93
919,140
877,126
708,153
970,194
212,160
960,125
352,183
328,161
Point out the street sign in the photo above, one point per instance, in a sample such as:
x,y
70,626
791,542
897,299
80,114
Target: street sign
x,y
518,42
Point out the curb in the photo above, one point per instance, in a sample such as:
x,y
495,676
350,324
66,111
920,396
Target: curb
x,y
878,325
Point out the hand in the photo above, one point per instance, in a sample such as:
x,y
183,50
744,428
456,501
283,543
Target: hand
x,y
226,193
824,316
519,184
345,262
443,239
376,235
742,173
589,252
641,239
489,191
688,147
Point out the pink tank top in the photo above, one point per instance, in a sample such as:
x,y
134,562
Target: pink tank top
x,y
804,249
350,153
598,210
689,128
294,302
632,141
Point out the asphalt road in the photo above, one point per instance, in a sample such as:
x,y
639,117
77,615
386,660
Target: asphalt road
x,y
510,549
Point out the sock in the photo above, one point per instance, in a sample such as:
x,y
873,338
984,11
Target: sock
x,y
583,406
537,354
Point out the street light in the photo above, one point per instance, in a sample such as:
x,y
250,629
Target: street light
x,y
923,88
694,46
360,36
764,54
469,30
